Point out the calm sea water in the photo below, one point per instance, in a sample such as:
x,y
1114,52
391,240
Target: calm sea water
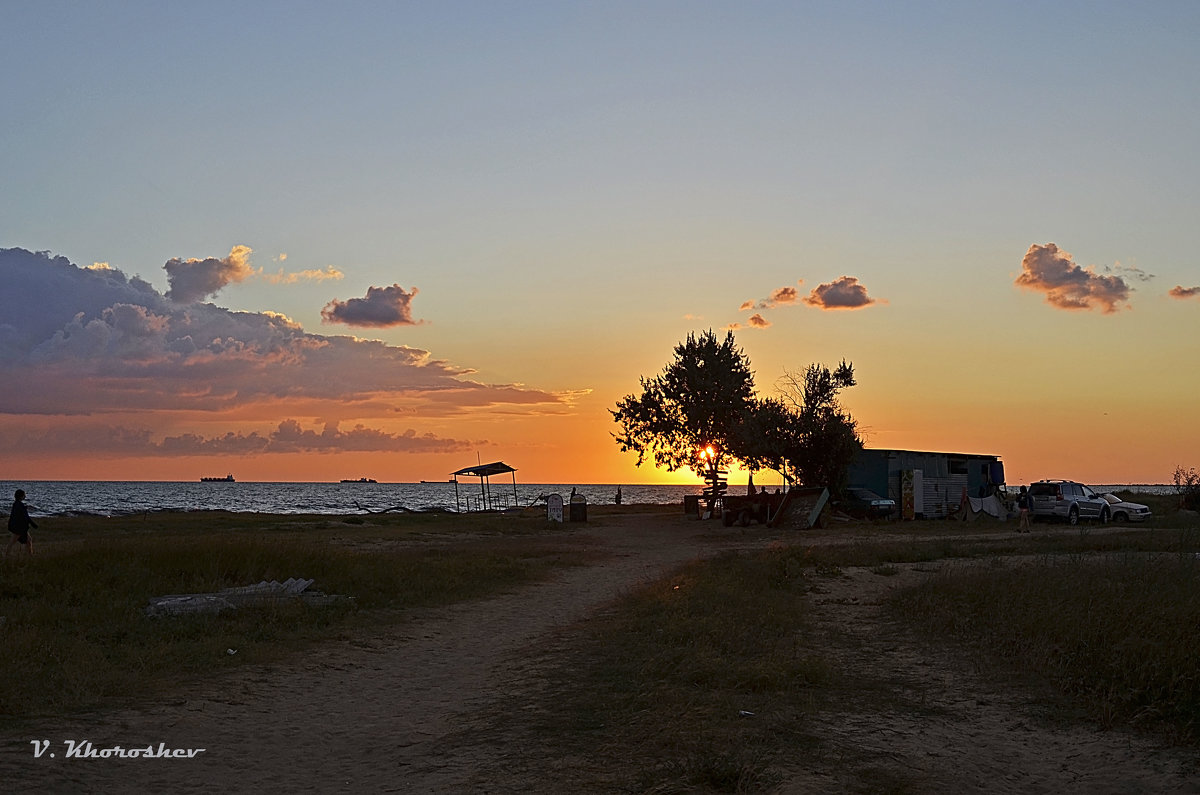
x,y
114,498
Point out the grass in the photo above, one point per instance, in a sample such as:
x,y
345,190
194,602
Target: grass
x,y
74,621
1117,632
705,675
665,678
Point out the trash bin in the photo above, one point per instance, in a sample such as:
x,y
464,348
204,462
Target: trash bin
x,y
578,508
691,504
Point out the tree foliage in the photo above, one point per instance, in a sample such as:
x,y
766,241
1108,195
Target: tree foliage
x,y
805,434
1187,485
700,399
705,396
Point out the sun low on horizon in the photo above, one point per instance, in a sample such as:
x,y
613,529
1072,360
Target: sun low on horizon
x,y
395,241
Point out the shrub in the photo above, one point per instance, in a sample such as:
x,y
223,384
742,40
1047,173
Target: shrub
x,y
1187,483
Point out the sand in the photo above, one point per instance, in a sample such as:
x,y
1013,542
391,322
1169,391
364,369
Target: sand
x,y
426,707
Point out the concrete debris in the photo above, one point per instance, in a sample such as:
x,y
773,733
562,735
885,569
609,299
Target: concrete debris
x,y
232,598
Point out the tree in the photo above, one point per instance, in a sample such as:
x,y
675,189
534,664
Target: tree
x,y
699,400
805,434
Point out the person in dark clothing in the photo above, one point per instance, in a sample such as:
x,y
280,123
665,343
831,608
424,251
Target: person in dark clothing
x,y
1024,500
19,524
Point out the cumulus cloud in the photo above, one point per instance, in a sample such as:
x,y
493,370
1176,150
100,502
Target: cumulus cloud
x,y
781,296
758,321
86,345
1179,291
193,280
196,279
1050,270
842,293
382,307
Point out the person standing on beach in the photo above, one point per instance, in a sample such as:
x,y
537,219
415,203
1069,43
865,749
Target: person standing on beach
x,y
19,524
1023,506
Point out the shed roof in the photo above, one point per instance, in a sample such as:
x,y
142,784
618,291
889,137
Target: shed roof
x,y
485,470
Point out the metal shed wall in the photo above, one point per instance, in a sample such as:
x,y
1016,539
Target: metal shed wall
x,y
945,475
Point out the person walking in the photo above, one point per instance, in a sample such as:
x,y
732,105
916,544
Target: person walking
x,y
19,524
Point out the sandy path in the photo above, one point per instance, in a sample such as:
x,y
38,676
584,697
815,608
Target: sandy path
x,y
371,717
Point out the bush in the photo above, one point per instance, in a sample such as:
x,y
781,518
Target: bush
x,y
1187,483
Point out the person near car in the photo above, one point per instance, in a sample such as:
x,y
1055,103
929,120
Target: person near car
x,y
1023,508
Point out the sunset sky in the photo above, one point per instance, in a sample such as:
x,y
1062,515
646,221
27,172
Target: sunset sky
x,y
310,241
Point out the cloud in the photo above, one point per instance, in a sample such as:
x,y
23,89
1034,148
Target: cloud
x,y
383,307
195,279
1131,271
1179,291
842,293
758,321
1047,269
95,350
311,275
289,436
781,296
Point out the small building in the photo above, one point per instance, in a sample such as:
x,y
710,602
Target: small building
x,y
926,484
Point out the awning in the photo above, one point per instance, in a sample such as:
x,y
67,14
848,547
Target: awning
x,y
485,470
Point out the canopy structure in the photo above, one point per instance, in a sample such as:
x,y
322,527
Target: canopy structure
x,y
486,502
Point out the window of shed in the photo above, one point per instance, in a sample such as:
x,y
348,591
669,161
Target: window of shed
x,y
958,466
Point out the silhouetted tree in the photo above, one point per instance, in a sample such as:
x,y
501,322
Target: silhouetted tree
x,y
1187,485
805,434
699,400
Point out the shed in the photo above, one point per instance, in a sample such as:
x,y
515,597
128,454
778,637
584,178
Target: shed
x,y
486,501
927,484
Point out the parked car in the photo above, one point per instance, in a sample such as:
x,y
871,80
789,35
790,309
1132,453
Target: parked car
x,y
1123,511
865,503
1067,500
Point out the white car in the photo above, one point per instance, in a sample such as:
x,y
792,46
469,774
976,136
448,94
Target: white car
x,y
1122,511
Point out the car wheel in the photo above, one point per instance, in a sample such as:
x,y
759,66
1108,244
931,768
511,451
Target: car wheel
x,y
1104,515
1120,516
1073,516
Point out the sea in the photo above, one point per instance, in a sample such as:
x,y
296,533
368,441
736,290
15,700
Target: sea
x,y
117,498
